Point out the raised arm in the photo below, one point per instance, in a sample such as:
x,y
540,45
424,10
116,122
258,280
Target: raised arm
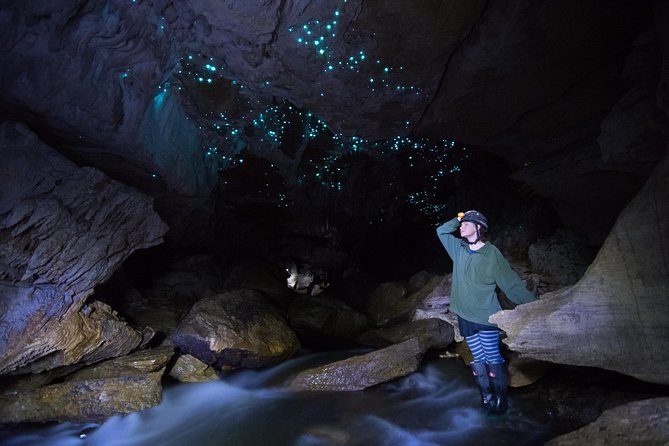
x,y
444,232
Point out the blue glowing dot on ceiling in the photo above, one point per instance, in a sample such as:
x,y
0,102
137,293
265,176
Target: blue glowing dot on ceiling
x,y
325,46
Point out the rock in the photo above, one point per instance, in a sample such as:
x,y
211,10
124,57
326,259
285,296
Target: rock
x,y
360,372
462,350
63,230
189,369
85,336
438,292
83,400
137,363
390,303
618,304
321,321
447,77
436,298
236,329
261,278
170,295
19,384
117,386
642,422
432,333
354,288
561,259
525,371
188,279
419,280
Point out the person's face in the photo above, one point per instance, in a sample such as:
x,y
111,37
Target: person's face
x,y
467,229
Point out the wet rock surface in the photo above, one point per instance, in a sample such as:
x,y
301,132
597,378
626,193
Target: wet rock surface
x,y
113,387
84,400
236,329
360,372
189,369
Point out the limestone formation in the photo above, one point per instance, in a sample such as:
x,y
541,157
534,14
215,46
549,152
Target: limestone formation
x,y
236,329
322,320
211,110
63,230
112,387
360,372
615,316
390,303
84,336
189,369
128,82
635,424
85,400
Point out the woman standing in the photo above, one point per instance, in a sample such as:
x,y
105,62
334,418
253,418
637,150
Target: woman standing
x,y
478,269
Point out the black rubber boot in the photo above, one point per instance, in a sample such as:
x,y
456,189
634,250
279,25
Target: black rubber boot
x,y
480,373
499,380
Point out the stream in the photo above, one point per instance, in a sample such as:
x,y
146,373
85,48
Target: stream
x,y
437,405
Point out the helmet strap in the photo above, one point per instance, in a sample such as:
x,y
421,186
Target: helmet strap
x,y
478,237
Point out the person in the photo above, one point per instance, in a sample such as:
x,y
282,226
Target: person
x,y
478,269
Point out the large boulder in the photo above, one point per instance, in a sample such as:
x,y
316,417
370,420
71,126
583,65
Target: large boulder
x,y
80,401
113,387
238,328
615,316
322,321
86,335
391,303
63,230
189,369
360,372
641,423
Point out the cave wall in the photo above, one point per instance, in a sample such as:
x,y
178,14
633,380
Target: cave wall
x,y
172,98
615,316
146,90
63,230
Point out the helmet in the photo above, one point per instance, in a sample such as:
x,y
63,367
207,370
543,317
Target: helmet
x,y
476,217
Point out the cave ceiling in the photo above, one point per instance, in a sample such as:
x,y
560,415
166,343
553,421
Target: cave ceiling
x,y
176,97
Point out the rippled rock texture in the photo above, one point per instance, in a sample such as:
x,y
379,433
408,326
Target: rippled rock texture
x,y
615,316
64,230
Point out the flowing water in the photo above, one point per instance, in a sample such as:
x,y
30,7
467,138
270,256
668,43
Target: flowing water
x,y
438,405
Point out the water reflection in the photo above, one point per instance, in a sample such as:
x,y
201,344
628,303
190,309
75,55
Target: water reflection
x,y
435,406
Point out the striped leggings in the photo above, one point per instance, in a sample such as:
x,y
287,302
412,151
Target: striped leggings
x,y
484,346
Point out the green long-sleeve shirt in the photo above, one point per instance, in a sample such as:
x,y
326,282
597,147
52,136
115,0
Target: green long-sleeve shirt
x,y
476,275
